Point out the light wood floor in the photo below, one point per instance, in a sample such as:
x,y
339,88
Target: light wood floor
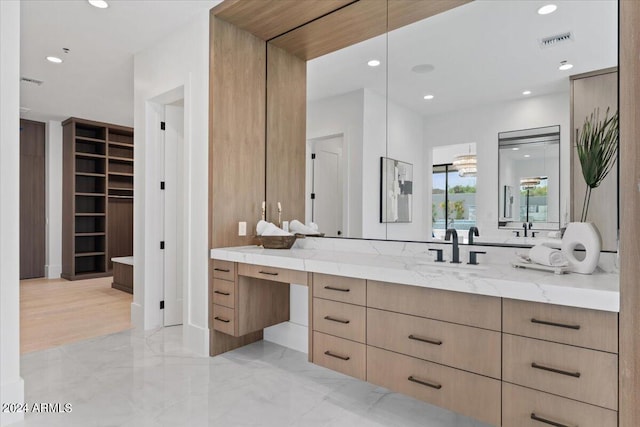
x,y
57,311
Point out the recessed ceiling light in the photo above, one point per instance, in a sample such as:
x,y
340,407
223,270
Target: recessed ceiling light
x,y
515,148
564,66
423,68
527,155
373,63
428,97
54,59
547,9
100,4
526,92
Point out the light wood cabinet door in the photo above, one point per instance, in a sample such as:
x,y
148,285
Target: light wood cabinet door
x,y
225,270
464,347
523,407
340,319
456,307
337,288
273,274
589,376
340,355
568,325
472,395
224,292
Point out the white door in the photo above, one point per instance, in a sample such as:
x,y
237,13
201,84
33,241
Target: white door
x,y
327,186
173,208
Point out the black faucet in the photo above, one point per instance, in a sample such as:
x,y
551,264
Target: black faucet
x,y
524,226
527,227
455,251
473,231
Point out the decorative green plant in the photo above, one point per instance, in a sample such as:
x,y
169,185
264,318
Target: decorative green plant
x,y
597,146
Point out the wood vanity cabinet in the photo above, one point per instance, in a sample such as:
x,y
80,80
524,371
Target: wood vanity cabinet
x,y
559,365
247,298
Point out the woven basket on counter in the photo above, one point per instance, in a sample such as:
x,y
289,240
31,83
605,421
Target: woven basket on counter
x,y
277,242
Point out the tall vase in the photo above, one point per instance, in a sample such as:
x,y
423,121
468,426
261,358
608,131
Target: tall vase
x,y
583,234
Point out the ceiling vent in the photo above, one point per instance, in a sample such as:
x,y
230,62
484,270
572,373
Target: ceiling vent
x,y
31,81
556,39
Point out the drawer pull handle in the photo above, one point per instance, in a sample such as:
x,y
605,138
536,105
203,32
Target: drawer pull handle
x,y
268,272
222,293
337,356
557,371
426,383
546,421
331,288
559,325
333,319
224,270
221,319
427,340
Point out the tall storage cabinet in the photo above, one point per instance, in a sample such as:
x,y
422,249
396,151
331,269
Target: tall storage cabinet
x,y
97,197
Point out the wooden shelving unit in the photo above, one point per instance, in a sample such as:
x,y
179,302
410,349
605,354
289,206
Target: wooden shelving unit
x,y
97,197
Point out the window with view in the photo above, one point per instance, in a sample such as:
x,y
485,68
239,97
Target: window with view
x,y
456,193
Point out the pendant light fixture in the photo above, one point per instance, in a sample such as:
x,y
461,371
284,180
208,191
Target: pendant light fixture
x,y
466,164
529,183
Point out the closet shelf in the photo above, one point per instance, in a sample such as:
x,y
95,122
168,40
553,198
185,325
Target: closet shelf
x,y
91,194
121,144
120,159
90,155
85,254
86,138
95,175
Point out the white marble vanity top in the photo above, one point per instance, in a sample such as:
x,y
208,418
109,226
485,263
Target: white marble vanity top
x,y
128,260
598,291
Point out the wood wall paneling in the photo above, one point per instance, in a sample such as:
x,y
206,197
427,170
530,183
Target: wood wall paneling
x,y
32,199
286,134
590,91
120,226
629,372
267,19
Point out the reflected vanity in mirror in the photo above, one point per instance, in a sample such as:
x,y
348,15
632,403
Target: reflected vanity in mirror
x,y
461,77
529,178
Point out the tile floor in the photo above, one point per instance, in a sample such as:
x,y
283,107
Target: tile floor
x,y
134,379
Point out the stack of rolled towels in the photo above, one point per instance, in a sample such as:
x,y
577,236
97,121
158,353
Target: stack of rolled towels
x,y
265,228
545,255
299,228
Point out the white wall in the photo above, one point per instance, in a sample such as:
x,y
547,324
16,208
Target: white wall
x,y
182,59
481,125
11,384
53,202
374,146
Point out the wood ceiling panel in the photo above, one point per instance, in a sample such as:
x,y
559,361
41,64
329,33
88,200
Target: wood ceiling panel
x,y
267,19
405,12
350,25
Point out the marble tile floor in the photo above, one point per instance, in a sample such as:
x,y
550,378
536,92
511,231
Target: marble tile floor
x,y
138,379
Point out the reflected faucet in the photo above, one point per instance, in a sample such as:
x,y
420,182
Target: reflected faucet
x,y
527,227
473,231
455,251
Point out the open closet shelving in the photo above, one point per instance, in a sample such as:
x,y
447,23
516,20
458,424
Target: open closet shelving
x,y
97,197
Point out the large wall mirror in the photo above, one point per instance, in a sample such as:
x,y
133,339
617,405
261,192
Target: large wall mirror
x,y
442,92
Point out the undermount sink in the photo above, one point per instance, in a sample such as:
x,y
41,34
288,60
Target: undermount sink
x,y
463,267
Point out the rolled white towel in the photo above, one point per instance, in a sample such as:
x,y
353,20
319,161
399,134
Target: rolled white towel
x,y
269,229
298,227
314,226
545,255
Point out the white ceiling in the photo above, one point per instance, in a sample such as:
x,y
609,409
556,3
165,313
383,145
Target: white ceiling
x,y
95,81
484,52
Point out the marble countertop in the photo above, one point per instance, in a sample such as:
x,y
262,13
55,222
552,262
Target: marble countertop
x,y
598,291
123,260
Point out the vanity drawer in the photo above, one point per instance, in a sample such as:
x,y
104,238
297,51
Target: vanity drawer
x,y
344,289
457,307
224,270
224,319
273,274
578,373
523,407
469,394
223,293
569,325
339,319
340,355
472,349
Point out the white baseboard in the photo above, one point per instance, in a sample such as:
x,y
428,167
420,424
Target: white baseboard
x,y
52,271
196,339
12,393
290,335
137,316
